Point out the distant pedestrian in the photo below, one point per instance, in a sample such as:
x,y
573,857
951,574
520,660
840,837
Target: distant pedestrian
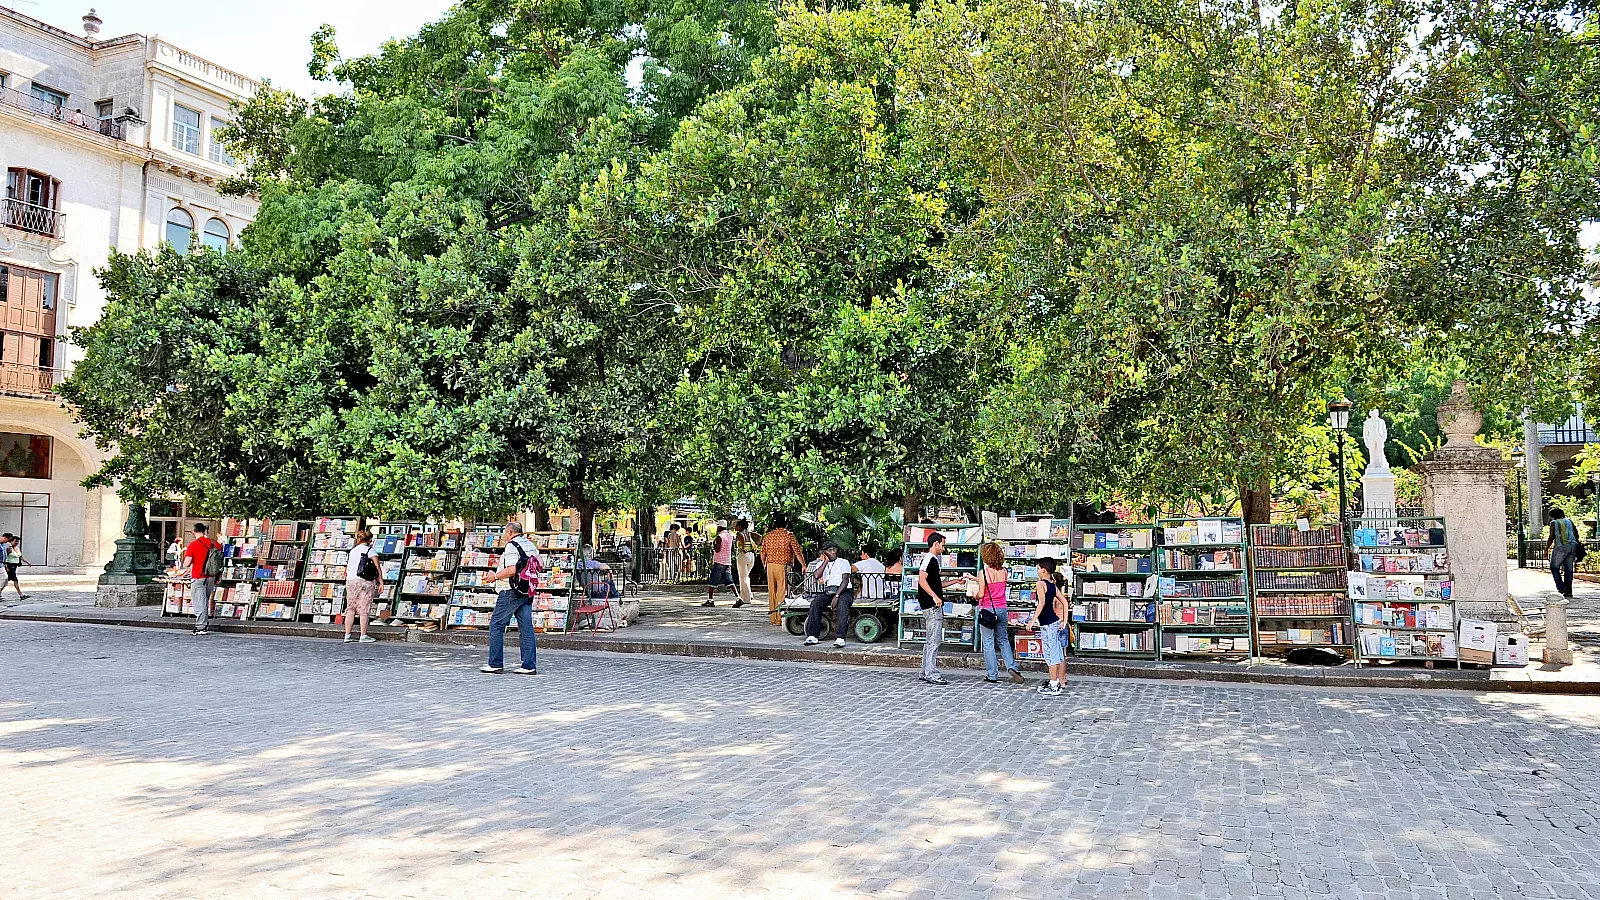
x,y
744,559
205,564
993,629
362,578
835,588
1563,549
174,551
930,597
779,550
1050,617
520,564
13,558
721,564
672,554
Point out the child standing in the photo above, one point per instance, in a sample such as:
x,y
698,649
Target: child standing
x,y
1050,617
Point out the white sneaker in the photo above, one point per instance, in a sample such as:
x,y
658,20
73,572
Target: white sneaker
x,y
491,670
812,642
368,639
349,639
838,642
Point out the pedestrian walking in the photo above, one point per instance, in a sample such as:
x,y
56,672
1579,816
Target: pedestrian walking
x,y
672,554
993,629
520,565
1564,549
721,564
835,588
1050,618
204,557
779,550
12,558
744,550
930,597
362,578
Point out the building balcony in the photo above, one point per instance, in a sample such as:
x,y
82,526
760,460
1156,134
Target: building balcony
x,y
40,107
26,216
20,379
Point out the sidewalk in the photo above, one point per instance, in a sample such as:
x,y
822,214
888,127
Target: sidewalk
x,y
673,623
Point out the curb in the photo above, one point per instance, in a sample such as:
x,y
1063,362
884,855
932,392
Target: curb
x,y
1464,680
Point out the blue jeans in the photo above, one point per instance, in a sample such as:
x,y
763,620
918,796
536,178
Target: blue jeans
x,y
508,604
820,601
1000,633
1563,563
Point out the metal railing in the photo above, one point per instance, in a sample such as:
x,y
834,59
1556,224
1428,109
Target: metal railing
x,y
30,217
33,381
52,110
663,565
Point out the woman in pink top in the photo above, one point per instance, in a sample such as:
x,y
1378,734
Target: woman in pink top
x,y
992,625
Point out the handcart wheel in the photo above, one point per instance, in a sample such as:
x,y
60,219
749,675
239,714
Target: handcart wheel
x,y
795,625
868,628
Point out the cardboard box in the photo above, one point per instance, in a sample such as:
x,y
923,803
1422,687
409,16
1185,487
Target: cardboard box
x,y
1480,657
1511,650
1477,635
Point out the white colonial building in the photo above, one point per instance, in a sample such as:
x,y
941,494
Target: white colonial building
x,y
107,145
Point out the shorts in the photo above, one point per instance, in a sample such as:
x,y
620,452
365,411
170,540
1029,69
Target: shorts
x,y
721,574
11,571
1053,640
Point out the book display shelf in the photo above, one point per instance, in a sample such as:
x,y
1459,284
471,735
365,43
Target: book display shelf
x,y
1113,591
1203,607
388,551
472,601
240,539
327,557
556,587
1301,598
279,568
1052,539
962,541
427,576
1400,591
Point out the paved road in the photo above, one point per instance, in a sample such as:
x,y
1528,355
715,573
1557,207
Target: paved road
x,y
138,764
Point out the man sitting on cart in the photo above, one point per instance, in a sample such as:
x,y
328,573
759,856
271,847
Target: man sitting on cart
x,y
836,588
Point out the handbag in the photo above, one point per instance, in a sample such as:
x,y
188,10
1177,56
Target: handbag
x,y
368,570
986,617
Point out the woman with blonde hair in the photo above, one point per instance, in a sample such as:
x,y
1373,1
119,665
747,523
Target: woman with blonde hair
x,y
993,629
362,578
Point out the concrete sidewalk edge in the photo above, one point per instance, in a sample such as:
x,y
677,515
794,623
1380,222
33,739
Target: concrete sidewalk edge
x,y
1436,679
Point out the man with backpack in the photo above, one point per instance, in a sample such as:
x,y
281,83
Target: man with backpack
x,y
205,560
521,564
1564,550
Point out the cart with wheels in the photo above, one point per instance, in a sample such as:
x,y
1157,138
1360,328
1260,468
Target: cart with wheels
x,y
876,611
797,604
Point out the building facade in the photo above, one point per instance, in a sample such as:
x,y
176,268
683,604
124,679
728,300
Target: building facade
x,y
108,145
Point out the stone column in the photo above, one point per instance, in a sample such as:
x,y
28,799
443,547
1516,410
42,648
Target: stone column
x,y
1463,482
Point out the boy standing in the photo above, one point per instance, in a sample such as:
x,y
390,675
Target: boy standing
x,y
930,596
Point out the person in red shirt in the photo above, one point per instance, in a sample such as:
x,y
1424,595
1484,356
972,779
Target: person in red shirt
x,y
201,588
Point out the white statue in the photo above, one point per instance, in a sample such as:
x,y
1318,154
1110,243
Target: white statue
x,y
1374,433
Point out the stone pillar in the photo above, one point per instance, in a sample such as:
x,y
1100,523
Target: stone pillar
x,y
129,578
1556,651
1530,450
1464,482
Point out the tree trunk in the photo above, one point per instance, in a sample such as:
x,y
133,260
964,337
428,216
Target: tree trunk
x,y
911,507
586,509
1255,501
541,518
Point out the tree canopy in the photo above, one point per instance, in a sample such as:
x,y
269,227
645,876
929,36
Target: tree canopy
x,y
993,251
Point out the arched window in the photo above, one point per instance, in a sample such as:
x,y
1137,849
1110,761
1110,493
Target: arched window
x,y
216,234
180,229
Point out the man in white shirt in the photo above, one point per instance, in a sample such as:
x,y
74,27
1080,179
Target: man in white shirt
x,y
836,589
872,573
514,602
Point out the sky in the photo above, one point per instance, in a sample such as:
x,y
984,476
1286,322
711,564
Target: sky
x,y
256,38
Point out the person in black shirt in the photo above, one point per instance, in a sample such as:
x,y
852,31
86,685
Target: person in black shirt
x,y
930,596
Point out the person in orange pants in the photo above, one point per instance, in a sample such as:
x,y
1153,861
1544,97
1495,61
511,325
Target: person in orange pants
x,y
779,549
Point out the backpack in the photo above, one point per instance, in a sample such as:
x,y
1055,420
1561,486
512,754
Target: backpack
x,y
213,565
528,572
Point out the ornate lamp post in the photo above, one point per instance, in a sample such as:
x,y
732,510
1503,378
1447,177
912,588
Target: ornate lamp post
x,y
1339,421
1519,458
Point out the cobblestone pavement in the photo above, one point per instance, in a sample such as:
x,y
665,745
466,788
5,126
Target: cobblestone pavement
x,y
156,764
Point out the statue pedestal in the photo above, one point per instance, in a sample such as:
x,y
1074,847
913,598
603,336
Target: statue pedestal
x,y
117,596
130,576
1466,486
1377,495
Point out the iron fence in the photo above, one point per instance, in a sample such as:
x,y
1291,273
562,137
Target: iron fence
x,y
49,108
30,217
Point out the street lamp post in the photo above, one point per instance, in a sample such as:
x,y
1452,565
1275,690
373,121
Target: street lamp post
x,y
1594,479
1339,421
1520,460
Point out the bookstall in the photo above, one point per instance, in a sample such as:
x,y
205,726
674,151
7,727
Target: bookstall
x,y
472,601
427,576
1301,598
960,560
322,589
279,568
1113,590
1026,540
389,541
241,544
556,586
1400,590
1203,596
